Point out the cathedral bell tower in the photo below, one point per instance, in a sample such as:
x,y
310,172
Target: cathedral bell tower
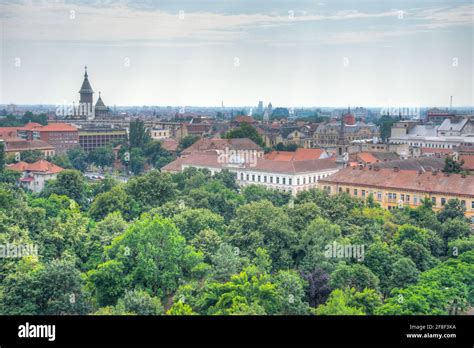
x,y
86,106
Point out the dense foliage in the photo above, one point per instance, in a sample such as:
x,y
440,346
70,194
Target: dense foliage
x,y
195,244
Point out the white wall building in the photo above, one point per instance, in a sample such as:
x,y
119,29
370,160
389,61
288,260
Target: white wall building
x,y
288,176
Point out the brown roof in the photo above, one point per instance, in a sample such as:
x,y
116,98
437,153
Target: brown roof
x,y
56,127
169,144
206,144
410,180
211,159
299,155
29,126
367,157
421,163
8,132
24,145
279,156
41,166
245,119
441,151
468,162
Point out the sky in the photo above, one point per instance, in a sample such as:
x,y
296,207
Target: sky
x,y
202,52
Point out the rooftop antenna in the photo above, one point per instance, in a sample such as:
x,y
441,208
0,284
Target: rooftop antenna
x,y
451,103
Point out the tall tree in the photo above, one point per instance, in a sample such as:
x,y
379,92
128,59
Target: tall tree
x,y
246,131
139,134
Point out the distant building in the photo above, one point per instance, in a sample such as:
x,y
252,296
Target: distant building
x,y
101,110
287,175
94,136
394,188
260,107
242,119
62,136
441,138
437,116
159,134
327,134
218,145
18,146
85,109
35,175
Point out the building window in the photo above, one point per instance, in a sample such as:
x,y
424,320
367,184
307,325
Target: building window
x,y
340,189
347,190
289,181
463,202
284,181
363,193
304,181
379,196
472,204
408,198
298,181
258,178
271,180
390,196
443,201
355,192
402,197
433,199
248,177
264,178
253,177
278,179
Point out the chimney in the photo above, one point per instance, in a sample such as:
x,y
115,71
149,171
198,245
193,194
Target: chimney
x,y
376,168
396,169
420,171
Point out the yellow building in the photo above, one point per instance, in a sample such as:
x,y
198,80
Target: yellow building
x,y
393,188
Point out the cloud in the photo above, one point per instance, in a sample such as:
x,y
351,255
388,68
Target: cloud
x,y
116,22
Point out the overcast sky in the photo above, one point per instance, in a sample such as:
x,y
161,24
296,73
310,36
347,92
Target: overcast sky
x,y
292,53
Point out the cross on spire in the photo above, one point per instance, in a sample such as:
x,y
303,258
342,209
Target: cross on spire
x,y
85,73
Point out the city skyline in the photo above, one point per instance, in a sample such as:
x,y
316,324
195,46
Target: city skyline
x,y
301,54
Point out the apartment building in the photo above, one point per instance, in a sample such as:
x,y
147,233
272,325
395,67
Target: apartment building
x,y
393,188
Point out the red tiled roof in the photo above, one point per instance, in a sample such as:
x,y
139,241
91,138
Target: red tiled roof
x,y
41,166
211,159
409,180
299,155
279,156
245,119
56,127
468,162
169,144
367,157
8,132
29,126
206,144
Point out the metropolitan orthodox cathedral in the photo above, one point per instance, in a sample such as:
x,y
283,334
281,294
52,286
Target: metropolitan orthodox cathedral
x,y
86,108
